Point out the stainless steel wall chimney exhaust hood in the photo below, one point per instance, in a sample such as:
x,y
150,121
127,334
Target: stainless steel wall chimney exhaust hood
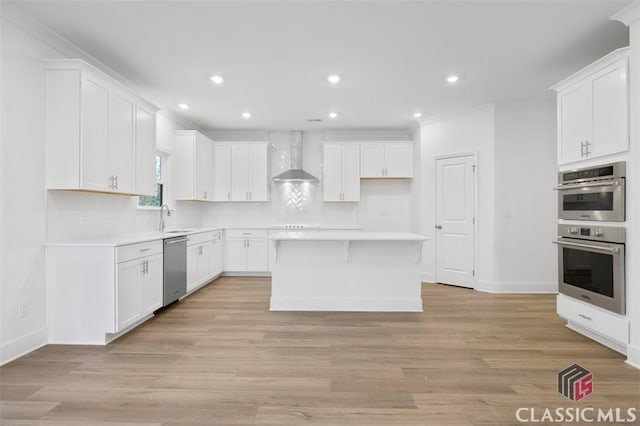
x,y
295,173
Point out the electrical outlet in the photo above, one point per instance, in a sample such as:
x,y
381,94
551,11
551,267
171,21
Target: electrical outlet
x,y
22,310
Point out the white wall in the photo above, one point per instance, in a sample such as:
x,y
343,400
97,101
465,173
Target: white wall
x,y
384,205
526,205
471,131
23,195
516,222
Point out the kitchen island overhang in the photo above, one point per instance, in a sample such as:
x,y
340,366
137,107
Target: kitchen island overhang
x,y
346,271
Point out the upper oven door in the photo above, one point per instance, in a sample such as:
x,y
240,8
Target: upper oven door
x,y
600,200
592,271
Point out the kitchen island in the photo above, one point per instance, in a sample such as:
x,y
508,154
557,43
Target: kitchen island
x,y
346,271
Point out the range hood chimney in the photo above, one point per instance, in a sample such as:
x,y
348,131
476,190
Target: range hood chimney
x,y
295,173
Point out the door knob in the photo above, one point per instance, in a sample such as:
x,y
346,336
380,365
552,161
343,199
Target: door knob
x,y
438,226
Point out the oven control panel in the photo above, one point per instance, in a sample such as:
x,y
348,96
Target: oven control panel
x,y
597,233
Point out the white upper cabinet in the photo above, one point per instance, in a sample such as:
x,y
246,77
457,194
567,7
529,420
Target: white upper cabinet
x,y
193,167
593,110
341,172
386,160
241,171
145,151
95,140
222,173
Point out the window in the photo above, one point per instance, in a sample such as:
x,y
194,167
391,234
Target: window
x,y
157,199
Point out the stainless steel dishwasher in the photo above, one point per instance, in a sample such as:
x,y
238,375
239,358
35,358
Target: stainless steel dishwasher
x,y
175,269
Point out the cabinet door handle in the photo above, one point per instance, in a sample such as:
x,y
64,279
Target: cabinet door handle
x,y
587,144
228,195
581,149
116,177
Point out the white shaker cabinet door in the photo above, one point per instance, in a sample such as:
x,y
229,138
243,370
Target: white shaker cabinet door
x,y
258,178
192,266
145,152
398,160
152,283
95,143
372,160
239,172
235,254
332,173
610,100
257,254
215,257
574,123
204,169
222,172
128,293
122,141
350,173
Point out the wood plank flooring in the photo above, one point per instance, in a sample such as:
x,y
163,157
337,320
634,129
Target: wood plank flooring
x,y
220,357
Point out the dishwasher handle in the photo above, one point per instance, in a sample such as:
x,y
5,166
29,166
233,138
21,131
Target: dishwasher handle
x,y
181,240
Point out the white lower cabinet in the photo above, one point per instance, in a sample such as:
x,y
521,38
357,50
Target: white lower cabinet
x,y
139,289
204,258
94,292
612,327
246,251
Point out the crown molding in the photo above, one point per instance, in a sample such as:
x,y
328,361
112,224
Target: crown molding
x,y
629,15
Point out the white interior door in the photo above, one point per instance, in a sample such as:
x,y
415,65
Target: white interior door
x,y
455,198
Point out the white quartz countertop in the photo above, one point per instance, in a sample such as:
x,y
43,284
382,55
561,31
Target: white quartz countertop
x,y
123,240
345,236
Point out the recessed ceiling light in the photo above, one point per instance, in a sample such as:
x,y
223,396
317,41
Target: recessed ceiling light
x,y
216,79
333,115
452,79
417,114
333,79
183,106
246,115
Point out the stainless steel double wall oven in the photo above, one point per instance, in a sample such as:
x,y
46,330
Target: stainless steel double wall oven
x,y
591,257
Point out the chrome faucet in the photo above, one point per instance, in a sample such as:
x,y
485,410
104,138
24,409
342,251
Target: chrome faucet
x,y
162,216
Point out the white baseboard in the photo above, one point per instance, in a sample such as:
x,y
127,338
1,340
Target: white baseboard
x,y
633,356
347,305
603,340
23,345
517,287
427,277
246,274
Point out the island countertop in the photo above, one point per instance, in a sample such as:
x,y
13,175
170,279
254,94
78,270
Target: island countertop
x,y
345,236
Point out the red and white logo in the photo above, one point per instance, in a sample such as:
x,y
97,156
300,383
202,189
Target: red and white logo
x,y
575,382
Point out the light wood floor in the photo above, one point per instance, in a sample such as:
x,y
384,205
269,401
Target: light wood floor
x,y
220,357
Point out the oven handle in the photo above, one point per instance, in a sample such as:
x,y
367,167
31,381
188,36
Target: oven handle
x,y
587,185
588,246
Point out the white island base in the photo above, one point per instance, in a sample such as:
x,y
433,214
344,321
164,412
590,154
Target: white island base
x,y
346,271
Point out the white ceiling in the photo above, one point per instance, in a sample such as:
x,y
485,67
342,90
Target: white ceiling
x,y
392,56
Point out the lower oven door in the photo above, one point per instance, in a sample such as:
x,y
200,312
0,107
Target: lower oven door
x,y
602,200
593,272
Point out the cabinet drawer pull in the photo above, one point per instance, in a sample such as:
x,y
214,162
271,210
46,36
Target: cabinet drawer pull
x,y
143,250
585,317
